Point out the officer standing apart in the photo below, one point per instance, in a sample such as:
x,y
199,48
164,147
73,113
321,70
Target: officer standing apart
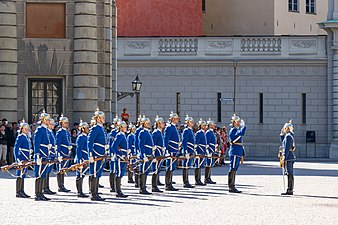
x,y
289,158
146,146
64,147
157,136
236,151
97,147
188,149
119,153
81,156
42,146
110,138
22,150
172,145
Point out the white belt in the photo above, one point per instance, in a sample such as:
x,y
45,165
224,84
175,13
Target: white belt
x,y
190,144
98,153
192,148
24,149
173,147
123,150
66,146
43,153
85,151
174,142
43,145
202,145
212,144
148,146
101,145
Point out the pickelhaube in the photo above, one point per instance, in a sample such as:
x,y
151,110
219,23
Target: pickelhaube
x,y
210,122
63,119
158,119
116,119
24,125
201,122
99,113
52,121
44,115
145,120
188,119
288,124
121,124
131,126
83,124
173,115
235,118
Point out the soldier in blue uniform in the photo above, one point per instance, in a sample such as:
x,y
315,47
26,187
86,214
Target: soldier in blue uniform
x,y
81,155
51,157
146,146
188,149
236,151
64,147
172,145
119,155
22,149
289,158
131,148
211,151
110,138
97,146
42,146
157,136
201,151
137,150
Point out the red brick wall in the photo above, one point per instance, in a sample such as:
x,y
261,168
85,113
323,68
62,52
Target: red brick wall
x,y
159,17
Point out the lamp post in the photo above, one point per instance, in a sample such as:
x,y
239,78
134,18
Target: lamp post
x,y
234,94
136,86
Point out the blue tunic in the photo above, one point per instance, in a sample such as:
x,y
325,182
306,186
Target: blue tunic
x,y
288,145
63,145
131,146
146,145
22,149
41,149
110,138
119,149
188,146
212,143
137,134
81,153
96,149
236,151
201,142
52,151
157,137
171,143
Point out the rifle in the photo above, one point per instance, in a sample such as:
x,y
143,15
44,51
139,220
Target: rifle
x,y
16,165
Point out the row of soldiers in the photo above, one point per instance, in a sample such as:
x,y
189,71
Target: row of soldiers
x,y
140,152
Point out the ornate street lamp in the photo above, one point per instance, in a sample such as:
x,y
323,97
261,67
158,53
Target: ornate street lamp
x,y
136,86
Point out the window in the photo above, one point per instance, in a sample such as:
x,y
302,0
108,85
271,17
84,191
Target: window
x,y
203,6
293,6
45,20
219,107
44,94
311,6
261,108
303,108
178,103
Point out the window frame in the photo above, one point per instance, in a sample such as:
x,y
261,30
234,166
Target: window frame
x,y
310,7
293,4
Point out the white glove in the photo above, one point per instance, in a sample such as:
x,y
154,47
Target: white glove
x,y
145,159
91,159
20,163
128,151
31,151
49,146
210,155
154,160
39,161
106,147
242,123
70,147
167,154
195,146
60,158
187,156
197,157
207,146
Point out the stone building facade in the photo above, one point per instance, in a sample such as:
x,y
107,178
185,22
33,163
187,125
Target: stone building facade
x,y
57,55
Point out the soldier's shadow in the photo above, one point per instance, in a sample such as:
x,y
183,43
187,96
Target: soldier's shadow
x,y
130,201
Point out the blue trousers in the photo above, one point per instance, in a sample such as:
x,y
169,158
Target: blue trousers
x,y
40,171
187,163
63,164
120,168
289,167
234,162
145,167
199,163
209,162
96,168
156,167
171,164
22,173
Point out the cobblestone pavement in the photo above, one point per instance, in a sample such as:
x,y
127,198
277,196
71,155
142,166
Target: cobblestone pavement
x,y
315,200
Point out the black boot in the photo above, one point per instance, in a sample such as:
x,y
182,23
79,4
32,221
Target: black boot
x,y
170,178
232,188
137,180
130,177
45,188
60,180
90,183
208,176
112,177
185,175
97,190
154,180
37,190
43,197
119,193
143,186
198,181
158,181
63,183
18,188
289,191
167,180
79,183
22,189
94,189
